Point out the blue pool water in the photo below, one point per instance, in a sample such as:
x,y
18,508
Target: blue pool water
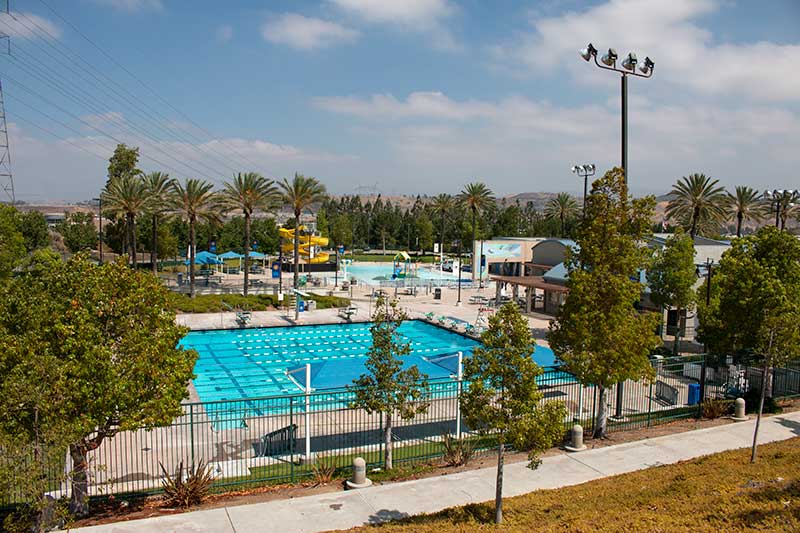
x,y
372,272
242,364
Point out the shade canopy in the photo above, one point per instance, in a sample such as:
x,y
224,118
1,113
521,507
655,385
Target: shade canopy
x,y
205,258
232,255
257,255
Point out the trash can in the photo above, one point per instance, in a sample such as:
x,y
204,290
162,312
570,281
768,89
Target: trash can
x,y
694,394
437,293
180,279
311,305
301,306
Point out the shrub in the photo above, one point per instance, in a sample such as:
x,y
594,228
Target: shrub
x,y
188,490
457,452
752,398
714,408
324,469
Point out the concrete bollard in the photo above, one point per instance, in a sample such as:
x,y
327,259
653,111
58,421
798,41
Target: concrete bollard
x,y
739,410
359,480
576,443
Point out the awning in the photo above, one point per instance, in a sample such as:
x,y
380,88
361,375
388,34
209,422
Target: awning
x,y
535,282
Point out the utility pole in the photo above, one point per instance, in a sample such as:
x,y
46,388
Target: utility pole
x,y
6,178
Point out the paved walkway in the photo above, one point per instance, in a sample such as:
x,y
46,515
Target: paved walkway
x,y
342,510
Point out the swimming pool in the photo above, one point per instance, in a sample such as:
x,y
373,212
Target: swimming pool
x,y
368,272
241,364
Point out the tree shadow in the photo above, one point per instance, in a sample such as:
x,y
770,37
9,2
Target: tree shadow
x,y
788,423
386,515
473,513
783,493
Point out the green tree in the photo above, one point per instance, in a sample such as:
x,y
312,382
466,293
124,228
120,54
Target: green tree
x,y
87,351
502,397
442,205
126,196
78,231
747,205
672,277
756,303
300,194
424,228
34,230
12,242
562,208
388,388
698,202
249,192
195,201
123,162
477,198
158,186
598,334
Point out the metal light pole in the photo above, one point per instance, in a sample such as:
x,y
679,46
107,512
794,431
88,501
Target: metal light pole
x,y
609,62
458,243
100,218
584,171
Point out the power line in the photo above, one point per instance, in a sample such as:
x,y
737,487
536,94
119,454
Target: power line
x,y
146,86
213,171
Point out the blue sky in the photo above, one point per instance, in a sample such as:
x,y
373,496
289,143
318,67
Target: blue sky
x,y
416,96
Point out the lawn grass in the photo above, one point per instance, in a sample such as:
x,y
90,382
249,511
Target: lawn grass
x,y
722,492
389,258
217,303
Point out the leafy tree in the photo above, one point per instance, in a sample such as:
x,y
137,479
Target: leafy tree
x,y
746,204
123,162
389,388
195,201
78,231
672,277
126,196
12,241
698,202
502,396
158,186
756,303
299,194
788,204
562,208
342,231
249,192
477,198
87,351
34,230
424,228
598,334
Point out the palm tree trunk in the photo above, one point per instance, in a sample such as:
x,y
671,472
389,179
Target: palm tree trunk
x,y
561,220
739,220
441,244
695,216
677,343
296,262
192,253
154,251
246,252
133,240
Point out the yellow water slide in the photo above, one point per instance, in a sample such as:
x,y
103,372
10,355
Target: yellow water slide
x,y
307,243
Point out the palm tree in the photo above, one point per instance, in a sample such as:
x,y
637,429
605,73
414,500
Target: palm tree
x,y
194,201
697,201
788,203
476,197
442,205
126,196
299,194
746,204
562,207
248,192
158,186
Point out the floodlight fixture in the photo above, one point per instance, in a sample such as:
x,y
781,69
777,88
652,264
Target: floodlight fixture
x,y
648,66
629,63
610,57
588,52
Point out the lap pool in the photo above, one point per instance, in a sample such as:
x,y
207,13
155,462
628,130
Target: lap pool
x,y
242,364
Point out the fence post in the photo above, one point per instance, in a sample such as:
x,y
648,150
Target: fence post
x,y
460,377
703,378
650,404
293,436
594,408
191,429
380,440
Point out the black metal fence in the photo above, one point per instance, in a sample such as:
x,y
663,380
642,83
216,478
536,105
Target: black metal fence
x,y
280,439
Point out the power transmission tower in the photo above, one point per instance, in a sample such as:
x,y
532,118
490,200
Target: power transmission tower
x,y
6,179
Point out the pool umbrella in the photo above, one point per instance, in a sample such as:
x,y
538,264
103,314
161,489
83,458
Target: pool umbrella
x,y
205,258
232,255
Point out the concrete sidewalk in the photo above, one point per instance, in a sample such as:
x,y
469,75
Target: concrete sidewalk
x,y
343,510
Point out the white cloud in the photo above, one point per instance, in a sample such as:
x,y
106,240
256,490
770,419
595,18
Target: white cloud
x,y
224,33
27,25
425,12
306,33
520,144
424,16
668,31
132,6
